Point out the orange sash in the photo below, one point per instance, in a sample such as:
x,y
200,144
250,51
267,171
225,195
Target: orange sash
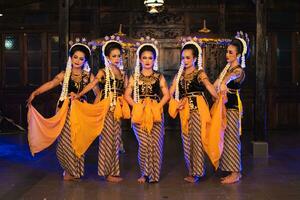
x,y
43,132
87,122
146,113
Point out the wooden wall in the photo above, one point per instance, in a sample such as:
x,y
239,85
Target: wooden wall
x,y
29,48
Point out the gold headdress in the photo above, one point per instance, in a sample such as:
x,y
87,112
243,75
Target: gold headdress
x,y
143,42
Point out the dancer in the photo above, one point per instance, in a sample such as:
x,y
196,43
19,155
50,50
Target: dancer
x,y
147,115
229,82
189,86
76,76
112,81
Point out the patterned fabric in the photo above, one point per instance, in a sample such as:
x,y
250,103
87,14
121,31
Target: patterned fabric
x,y
119,85
191,85
149,86
231,157
109,146
110,138
66,155
193,147
234,86
150,152
76,84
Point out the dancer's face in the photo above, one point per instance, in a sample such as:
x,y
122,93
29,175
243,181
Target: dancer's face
x,y
147,60
231,54
188,58
78,59
114,57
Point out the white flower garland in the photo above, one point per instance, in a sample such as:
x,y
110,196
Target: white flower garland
x,y
108,71
199,63
222,75
65,86
136,76
243,60
181,68
179,73
106,61
68,71
107,87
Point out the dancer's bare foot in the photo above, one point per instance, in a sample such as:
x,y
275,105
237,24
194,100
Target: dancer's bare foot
x,y
190,179
142,179
68,177
114,179
232,178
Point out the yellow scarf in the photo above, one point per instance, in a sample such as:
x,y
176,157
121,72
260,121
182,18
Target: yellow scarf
x,y
43,132
145,113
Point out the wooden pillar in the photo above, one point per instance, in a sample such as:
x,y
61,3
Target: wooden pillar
x,y
261,65
24,58
187,30
96,21
130,34
222,17
64,31
1,64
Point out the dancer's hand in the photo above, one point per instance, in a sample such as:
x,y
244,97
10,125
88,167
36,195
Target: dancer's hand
x,y
223,88
181,103
225,99
31,97
121,101
73,96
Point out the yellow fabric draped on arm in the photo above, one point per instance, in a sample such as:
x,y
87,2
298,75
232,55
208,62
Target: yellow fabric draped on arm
x,y
122,110
184,117
184,114
203,112
205,119
43,132
240,106
215,134
146,113
173,105
87,122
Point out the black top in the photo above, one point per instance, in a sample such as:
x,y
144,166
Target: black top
x,y
191,85
149,86
119,85
234,86
76,85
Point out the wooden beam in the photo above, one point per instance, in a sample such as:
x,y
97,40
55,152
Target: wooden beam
x,y
222,17
187,30
1,62
261,65
24,53
64,31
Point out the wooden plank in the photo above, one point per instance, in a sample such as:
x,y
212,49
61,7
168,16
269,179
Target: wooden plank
x,y
64,29
261,55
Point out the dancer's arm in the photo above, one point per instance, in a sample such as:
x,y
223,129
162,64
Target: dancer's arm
x,y
128,92
96,90
236,74
46,86
173,87
182,101
92,84
211,89
165,91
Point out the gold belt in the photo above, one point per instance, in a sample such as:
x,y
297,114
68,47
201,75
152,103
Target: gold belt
x,y
155,96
